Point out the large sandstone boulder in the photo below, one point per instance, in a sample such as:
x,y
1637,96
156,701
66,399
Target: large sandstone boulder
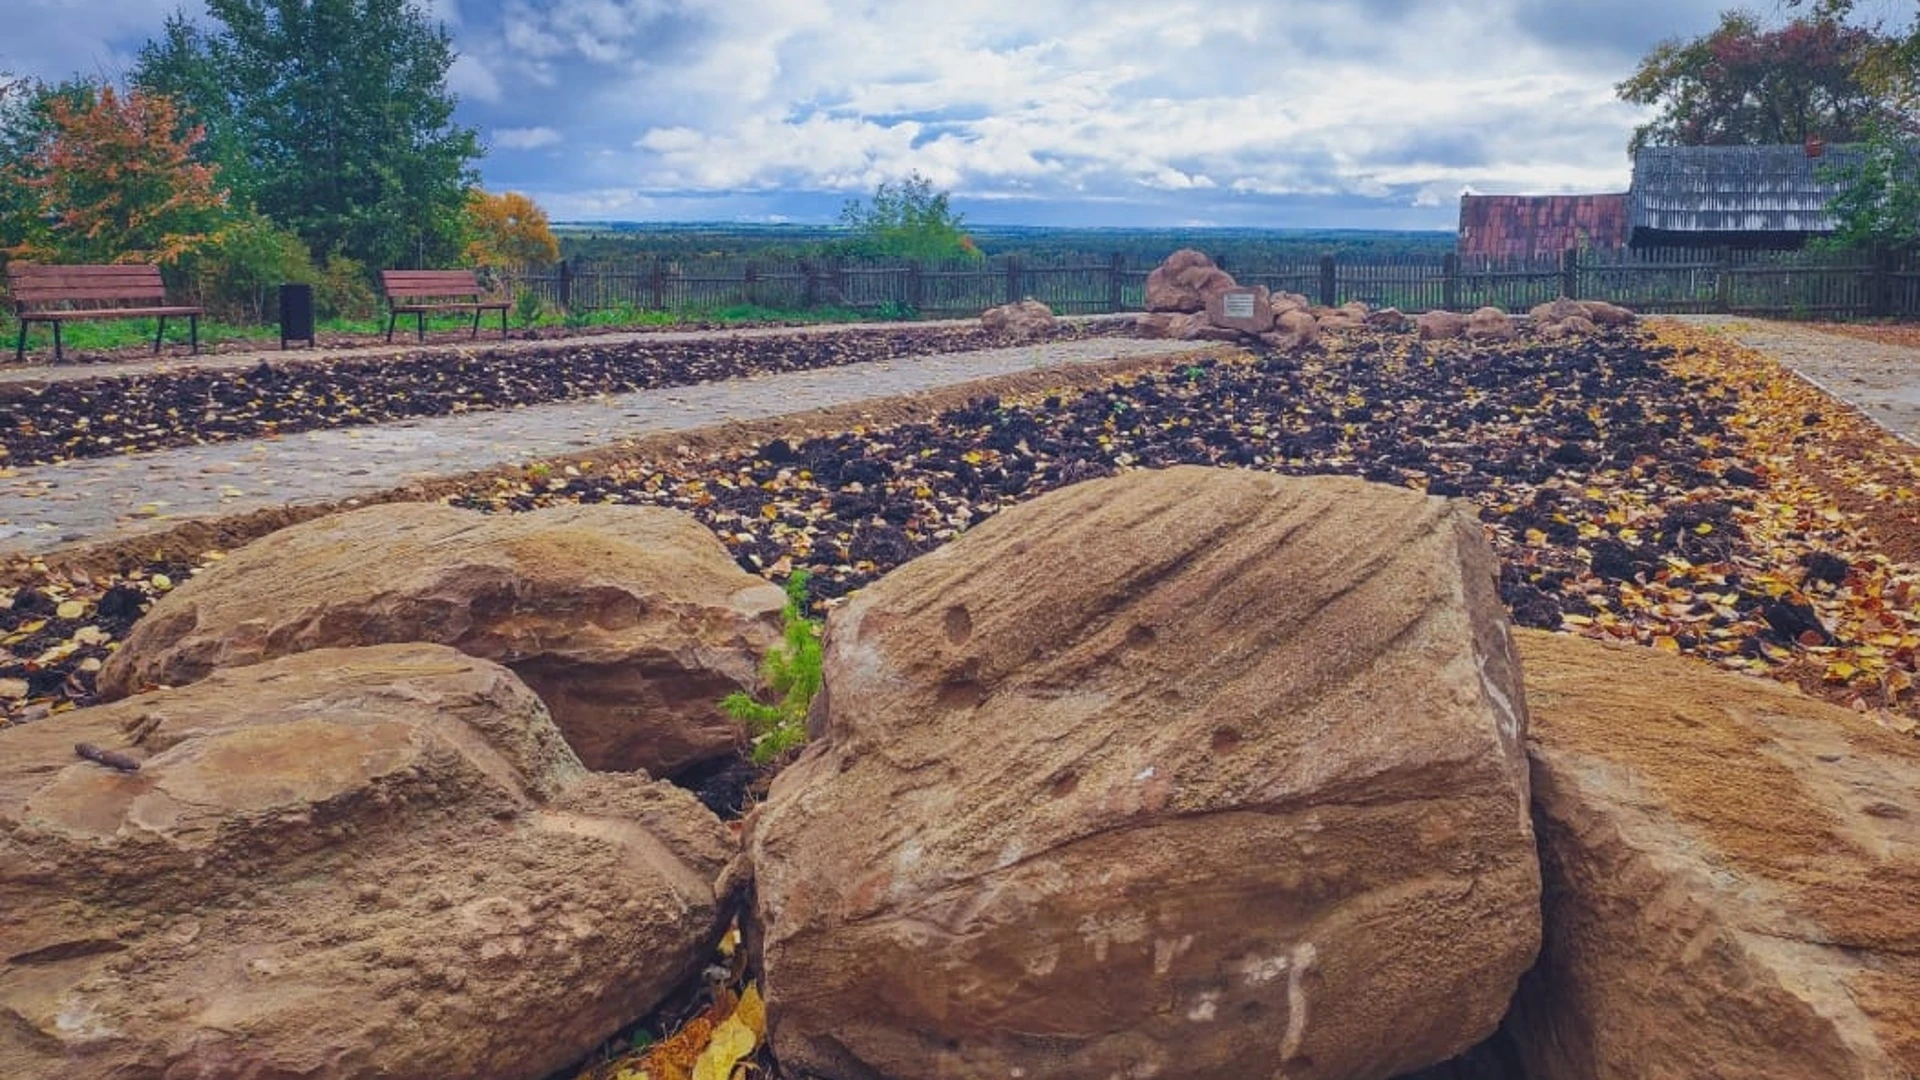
x,y
1243,308
1295,328
343,864
1440,325
1391,320
1732,876
631,623
1185,282
1027,318
1489,324
1181,773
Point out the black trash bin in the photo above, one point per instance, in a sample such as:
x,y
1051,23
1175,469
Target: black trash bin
x,y
296,314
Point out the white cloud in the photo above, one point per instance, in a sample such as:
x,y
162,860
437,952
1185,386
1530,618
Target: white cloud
x,y
530,138
1188,106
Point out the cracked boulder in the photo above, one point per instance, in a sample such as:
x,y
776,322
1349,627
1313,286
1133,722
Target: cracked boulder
x,y
1732,876
343,864
1186,282
631,623
1159,775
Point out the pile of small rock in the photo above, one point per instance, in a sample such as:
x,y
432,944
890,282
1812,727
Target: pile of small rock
x,y
1191,299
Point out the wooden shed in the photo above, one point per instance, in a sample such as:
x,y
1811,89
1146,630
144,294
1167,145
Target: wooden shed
x,y
1502,227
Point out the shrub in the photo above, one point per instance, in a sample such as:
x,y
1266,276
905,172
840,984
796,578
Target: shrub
x,y
344,290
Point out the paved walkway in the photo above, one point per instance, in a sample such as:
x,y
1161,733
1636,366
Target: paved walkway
x,y
49,506
175,358
1882,381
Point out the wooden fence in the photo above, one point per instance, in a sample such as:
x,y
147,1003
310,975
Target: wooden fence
x,y
1780,284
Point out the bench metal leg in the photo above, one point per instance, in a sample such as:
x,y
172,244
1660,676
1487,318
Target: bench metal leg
x,y
193,333
392,317
158,333
503,324
420,326
476,324
57,354
20,347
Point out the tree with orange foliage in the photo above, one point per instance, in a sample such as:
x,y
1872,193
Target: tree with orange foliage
x,y
119,184
507,230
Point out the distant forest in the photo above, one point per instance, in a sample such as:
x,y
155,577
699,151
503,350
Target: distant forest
x,y
627,240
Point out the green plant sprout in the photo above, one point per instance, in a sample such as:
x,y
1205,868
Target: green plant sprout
x,y
791,671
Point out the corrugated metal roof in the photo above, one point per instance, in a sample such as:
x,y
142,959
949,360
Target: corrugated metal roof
x,y
1734,189
1536,226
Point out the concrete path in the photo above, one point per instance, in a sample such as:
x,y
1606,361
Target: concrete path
x,y
49,506
1882,381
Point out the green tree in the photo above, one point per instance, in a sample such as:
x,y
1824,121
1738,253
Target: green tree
x,y
909,220
1743,84
331,117
1878,205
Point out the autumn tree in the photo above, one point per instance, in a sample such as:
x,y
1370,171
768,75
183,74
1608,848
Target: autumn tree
x,y
113,180
332,117
908,220
507,230
1743,84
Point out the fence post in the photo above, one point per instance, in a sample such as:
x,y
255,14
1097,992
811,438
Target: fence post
x,y
916,286
657,285
1450,282
1116,267
1723,282
1327,282
810,292
752,276
1882,296
563,291
1013,279
1570,273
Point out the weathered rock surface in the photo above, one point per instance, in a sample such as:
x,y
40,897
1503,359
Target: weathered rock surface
x,y
1440,325
1573,318
1283,302
1294,328
1180,773
1026,318
1255,314
1732,876
1185,282
1392,320
357,863
1489,324
629,622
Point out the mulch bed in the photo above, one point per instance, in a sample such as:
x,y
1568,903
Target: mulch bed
x,y
1665,488
44,422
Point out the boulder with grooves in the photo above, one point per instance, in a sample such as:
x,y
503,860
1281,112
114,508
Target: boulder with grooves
x,y
629,622
1180,773
345,864
1732,876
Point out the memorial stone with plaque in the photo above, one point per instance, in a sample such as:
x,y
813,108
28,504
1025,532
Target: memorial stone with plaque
x,y
1244,309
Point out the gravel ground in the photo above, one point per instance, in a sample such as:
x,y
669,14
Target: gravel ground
x,y
1881,380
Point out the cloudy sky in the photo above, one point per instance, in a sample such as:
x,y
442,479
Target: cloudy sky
x,y
1312,113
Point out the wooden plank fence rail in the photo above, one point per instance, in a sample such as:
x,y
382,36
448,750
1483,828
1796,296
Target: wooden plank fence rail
x,y
1653,281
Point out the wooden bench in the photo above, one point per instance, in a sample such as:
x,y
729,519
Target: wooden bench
x,y
436,290
64,294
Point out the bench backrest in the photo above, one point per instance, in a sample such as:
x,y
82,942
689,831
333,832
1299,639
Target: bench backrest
x,y
37,286
415,284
